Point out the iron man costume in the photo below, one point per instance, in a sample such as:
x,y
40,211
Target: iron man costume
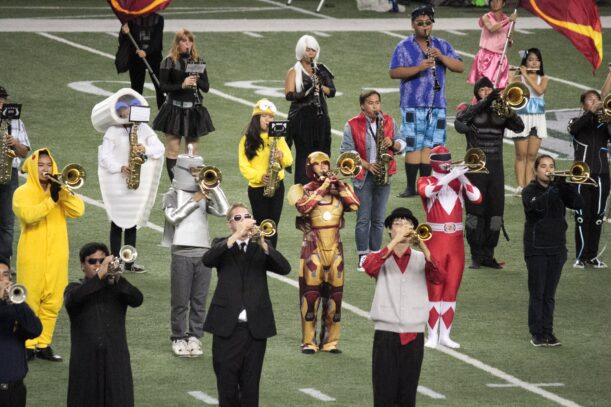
x,y
442,198
322,204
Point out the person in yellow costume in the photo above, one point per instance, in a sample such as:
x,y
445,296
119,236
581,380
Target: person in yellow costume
x,y
42,254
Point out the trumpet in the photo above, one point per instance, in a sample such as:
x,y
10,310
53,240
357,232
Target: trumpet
x,y
267,228
15,294
348,164
578,173
71,178
514,97
475,161
209,177
127,254
423,232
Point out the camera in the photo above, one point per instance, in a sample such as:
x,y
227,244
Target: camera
x,y
278,129
11,111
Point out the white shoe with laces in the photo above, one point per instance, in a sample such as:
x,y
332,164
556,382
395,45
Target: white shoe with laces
x,y
578,264
360,268
596,263
194,346
179,348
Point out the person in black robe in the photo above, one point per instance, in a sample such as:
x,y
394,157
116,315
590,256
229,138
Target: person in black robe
x,y
100,369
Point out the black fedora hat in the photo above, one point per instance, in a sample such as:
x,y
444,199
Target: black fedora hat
x,y
400,213
3,92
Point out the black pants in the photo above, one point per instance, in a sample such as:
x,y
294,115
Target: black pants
x,y
484,221
267,208
137,75
7,216
395,369
588,221
116,233
543,277
237,362
14,395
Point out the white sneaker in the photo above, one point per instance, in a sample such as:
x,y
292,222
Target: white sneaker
x,y
179,347
596,263
431,342
578,264
194,347
449,343
360,268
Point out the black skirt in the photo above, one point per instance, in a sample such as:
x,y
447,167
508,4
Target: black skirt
x,y
189,122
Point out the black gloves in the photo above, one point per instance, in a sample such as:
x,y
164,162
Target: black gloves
x,y
55,188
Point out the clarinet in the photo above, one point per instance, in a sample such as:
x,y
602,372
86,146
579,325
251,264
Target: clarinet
x,y
196,75
316,84
436,85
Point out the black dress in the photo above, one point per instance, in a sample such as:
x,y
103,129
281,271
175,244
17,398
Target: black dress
x,y
100,368
182,114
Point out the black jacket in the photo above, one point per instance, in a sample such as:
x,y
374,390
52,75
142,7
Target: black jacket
x,y
17,323
590,142
544,208
242,284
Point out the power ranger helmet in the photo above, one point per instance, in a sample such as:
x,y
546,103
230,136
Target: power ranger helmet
x,y
440,159
317,157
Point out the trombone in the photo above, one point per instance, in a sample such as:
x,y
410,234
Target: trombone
x,y
209,177
267,228
348,164
514,97
474,161
71,178
423,232
578,173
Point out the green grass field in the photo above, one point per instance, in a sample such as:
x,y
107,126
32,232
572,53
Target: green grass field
x,y
492,308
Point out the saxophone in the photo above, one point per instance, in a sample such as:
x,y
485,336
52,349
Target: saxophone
x,y
273,168
135,160
382,156
6,155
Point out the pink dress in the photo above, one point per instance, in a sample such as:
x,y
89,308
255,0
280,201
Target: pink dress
x,y
491,46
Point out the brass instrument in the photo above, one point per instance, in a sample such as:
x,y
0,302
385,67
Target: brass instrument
x,y
436,86
475,161
127,254
273,168
348,164
578,173
71,178
267,228
423,232
604,115
135,159
382,157
514,97
317,88
6,155
209,177
15,294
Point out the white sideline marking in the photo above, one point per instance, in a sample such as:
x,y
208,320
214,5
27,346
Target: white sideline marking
x,y
297,9
321,34
496,385
432,394
522,31
455,32
252,34
462,357
317,394
200,395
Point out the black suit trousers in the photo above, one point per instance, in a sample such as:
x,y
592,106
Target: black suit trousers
x,y
238,361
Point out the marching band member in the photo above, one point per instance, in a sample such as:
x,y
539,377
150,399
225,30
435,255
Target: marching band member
x,y
127,208
241,317
100,367
399,310
182,114
442,198
254,159
186,207
545,199
16,138
484,129
591,136
42,207
420,62
321,203
372,184
307,86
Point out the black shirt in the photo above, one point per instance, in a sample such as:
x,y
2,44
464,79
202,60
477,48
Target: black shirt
x,y
17,323
172,75
590,142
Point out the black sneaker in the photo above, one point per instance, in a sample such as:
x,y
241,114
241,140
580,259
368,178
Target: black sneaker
x,y
538,341
30,354
308,351
408,193
492,263
48,354
552,340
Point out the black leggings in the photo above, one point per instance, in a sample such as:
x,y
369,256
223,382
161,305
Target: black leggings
x,y
267,208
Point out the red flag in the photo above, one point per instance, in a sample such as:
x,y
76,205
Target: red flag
x,y
127,10
577,20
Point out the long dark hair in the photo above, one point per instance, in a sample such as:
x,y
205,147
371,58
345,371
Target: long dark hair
x,y
537,52
253,137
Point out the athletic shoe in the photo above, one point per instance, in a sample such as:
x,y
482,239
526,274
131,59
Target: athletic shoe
x,y
179,347
48,354
408,193
360,268
136,268
552,340
538,341
194,346
596,263
578,264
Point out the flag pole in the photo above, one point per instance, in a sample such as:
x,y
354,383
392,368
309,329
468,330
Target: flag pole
x,y
148,67
498,69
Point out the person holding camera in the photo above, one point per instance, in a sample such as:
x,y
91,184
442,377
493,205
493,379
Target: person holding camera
x,y
545,200
263,171
16,139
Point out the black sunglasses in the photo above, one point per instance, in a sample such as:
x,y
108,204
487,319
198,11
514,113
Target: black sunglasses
x,y
423,23
238,217
95,261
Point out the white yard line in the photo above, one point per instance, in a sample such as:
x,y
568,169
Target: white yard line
x,y
457,355
252,34
200,395
518,30
297,9
502,385
317,394
455,32
432,394
321,34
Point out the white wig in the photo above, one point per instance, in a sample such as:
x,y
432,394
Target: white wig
x,y
306,41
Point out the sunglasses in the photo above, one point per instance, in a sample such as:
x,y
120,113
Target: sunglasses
x,y
95,261
238,218
424,23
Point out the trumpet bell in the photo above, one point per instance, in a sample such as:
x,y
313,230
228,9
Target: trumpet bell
x,y
128,254
267,228
209,177
73,176
424,232
17,294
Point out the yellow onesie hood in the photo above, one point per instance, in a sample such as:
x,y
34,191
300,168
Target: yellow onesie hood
x,y
30,167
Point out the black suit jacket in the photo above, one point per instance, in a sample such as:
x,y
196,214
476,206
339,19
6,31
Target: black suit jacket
x,y
242,283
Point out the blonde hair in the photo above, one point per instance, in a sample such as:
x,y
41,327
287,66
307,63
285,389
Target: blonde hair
x,y
234,207
180,34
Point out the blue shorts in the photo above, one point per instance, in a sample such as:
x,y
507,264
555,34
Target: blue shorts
x,y
421,133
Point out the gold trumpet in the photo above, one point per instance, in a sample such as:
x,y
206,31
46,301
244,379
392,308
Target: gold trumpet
x,y
71,178
423,232
348,164
578,173
209,177
267,228
475,161
514,97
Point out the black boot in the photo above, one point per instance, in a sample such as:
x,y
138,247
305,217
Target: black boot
x,y
411,172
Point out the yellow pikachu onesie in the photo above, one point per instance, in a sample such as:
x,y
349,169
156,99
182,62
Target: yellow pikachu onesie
x,y
42,253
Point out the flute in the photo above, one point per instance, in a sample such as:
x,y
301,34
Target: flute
x,y
517,68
